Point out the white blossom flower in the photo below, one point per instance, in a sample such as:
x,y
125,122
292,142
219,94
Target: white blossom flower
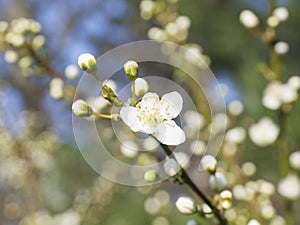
x,y
71,71
289,187
129,149
11,56
186,205
273,21
235,108
277,93
171,167
281,13
294,160
154,116
294,82
141,87
235,135
281,47
264,133
278,220
248,19
86,61
217,181
150,175
253,222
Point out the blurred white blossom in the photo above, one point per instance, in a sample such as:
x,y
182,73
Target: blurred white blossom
x,y
249,19
264,133
294,160
289,187
186,205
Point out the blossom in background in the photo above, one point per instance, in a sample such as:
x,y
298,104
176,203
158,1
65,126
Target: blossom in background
x,y
186,205
171,167
277,94
154,116
264,133
289,187
249,19
294,160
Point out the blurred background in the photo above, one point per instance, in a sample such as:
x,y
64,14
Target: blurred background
x,y
43,177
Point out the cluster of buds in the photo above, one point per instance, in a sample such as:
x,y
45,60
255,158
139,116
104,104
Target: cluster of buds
x,y
22,43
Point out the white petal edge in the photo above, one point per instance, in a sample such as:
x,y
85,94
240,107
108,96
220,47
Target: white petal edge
x,y
174,102
169,133
129,117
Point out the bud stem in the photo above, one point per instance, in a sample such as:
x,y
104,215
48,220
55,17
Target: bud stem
x,y
103,115
193,186
133,93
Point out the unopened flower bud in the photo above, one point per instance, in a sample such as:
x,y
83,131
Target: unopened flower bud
x,y
209,163
141,87
81,108
131,69
150,175
171,167
186,205
217,181
87,62
249,19
71,72
281,13
226,199
110,95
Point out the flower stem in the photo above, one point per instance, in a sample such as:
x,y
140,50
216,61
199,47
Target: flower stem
x,y
193,186
133,92
103,115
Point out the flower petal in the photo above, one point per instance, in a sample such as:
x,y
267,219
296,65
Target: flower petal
x,y
169,133
129,116
149,100
171,105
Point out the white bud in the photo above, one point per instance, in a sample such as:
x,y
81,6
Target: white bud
x,y
235,135
253,222
150,175
281,13
11,56
264,133
217,181
81,108
171,167
235,108
131,69
209,163
186,205
289,187
294,160
71,72
281,48
38,42
191,222
249,19
129,149
294,82
273,21
112,84
86,61
141,87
